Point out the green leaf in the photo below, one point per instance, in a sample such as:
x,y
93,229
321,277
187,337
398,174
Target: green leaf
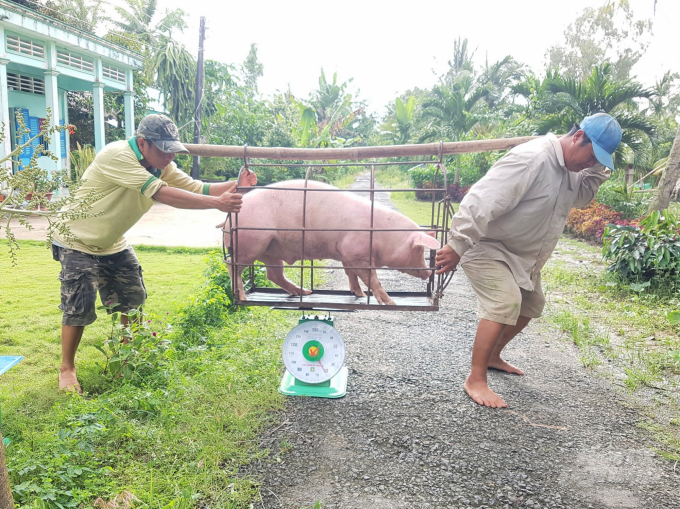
x,y
101,349
673,317
402,116
639,287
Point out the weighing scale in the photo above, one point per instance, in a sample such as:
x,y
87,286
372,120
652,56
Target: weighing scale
x,y
314,353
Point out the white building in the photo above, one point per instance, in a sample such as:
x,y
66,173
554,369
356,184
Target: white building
x,y
41,59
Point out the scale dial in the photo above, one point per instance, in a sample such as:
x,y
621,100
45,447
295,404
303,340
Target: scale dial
x,y
313,352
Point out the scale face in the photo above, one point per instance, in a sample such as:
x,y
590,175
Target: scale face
x,y
313,352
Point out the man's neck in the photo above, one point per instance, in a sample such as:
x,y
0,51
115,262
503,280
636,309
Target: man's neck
x,y
565,141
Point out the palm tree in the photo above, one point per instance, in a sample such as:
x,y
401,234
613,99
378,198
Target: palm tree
x,y
135,18
500,78
568,100
83,14
453,110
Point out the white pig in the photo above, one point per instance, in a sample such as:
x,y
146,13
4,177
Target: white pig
x,y
281,208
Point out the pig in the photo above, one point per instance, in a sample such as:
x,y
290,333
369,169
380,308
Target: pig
x,y
281,208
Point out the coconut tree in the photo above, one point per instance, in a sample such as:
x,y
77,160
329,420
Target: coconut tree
x,y
453,110
568,100
500,78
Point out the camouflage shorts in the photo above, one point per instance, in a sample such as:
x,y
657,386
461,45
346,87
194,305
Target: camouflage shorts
x,y
117,277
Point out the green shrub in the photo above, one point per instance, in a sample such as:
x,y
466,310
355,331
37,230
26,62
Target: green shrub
x,y
203,313
617,195
423,176
136,351
650,250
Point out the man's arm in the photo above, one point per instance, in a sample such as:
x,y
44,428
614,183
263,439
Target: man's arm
x,y
498,192
226,202
591,180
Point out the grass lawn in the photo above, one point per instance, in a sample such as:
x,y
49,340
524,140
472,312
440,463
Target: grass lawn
x,y
177,436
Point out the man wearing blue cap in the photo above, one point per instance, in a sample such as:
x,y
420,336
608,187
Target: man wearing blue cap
x,y
508,226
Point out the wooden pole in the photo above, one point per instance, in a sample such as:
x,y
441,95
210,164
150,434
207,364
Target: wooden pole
x,y
6,499
351,154
199,99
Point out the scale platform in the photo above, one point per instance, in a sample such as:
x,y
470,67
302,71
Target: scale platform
x,y
336,387
337,299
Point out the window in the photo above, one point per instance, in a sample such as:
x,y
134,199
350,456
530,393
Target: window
x,y
68,59
113,73
20,83
25,46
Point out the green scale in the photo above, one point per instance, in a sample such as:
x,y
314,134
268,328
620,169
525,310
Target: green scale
x,y
314,354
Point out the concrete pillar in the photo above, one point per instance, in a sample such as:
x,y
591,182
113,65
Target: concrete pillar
x,y
129,103
6,145
129,107
52,102
98,103
66,163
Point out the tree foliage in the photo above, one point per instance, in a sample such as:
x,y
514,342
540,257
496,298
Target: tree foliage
x,y
609,33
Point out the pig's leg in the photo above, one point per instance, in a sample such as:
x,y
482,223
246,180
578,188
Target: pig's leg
x,y
241,292
354,285
375,286
277,276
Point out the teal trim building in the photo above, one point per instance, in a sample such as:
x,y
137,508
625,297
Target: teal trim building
x,y
41,59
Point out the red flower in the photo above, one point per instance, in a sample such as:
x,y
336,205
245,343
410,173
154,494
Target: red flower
x,y
71,129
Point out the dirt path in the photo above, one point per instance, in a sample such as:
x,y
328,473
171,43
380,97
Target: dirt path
x,y
407,436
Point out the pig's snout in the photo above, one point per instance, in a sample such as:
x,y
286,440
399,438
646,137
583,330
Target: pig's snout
x,y
423,273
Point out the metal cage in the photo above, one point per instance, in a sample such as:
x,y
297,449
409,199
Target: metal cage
x,y
331,299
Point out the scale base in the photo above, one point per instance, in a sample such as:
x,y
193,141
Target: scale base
x,y
336,387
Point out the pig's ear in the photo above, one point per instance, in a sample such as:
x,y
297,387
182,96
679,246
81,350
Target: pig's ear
x,y
424,239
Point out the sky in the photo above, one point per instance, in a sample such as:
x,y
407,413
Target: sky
x,y
389,47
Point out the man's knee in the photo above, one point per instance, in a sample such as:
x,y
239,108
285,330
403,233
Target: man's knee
x,y
78,297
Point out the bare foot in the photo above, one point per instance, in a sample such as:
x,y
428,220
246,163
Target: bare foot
x,y
500,365
481,394
68,381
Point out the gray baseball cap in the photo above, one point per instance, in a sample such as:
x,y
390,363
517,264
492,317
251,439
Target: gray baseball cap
x,y
162,132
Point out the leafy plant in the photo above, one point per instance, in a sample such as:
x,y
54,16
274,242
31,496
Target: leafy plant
x,y
36,182
591,222
81,159
404,114
649,250
137,350
624,200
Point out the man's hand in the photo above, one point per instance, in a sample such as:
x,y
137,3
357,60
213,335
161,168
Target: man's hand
x,y
446,260
248,178
229,202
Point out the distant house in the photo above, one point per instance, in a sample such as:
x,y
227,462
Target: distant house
x,y
41,59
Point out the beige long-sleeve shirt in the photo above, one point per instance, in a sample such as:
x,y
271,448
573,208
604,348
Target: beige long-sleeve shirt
x,y
516,213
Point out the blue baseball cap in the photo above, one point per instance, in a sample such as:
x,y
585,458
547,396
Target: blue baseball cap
x,y
605,133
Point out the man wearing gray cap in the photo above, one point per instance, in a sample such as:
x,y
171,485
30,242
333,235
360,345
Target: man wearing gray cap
x,y
508,226
127,177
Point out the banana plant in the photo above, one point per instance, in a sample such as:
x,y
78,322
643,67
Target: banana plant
x,y
404,114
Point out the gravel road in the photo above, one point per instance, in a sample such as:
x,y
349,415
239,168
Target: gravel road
x,y
407,436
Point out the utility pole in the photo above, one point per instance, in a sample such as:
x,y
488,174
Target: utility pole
x,y
199,98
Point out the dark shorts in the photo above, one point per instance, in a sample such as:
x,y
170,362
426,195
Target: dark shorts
x,y
117,277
